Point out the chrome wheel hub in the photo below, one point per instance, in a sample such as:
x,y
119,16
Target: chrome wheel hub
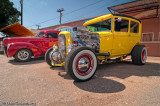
x,y
23,55
83,64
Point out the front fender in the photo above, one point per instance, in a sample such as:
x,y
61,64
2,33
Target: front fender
x,y
14,47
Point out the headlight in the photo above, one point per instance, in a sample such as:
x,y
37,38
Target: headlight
x,y
69,47
55,48
8,46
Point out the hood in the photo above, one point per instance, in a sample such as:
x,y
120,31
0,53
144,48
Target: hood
x,y
7,41
17,30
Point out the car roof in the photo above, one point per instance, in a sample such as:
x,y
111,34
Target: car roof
x,y
126,16
103,17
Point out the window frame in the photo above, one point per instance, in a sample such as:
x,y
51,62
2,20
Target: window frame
x,y
52,36
123,18
130,26
147,33
101,21
159,37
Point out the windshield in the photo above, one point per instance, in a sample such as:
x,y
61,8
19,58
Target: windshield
x,y
40,34
104,25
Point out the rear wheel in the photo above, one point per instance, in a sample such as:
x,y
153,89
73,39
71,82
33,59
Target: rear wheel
x,y
23,55
139,55
47,58
81,63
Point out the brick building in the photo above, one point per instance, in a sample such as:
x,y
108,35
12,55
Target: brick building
x,y
148,11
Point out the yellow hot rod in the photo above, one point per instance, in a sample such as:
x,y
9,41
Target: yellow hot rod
x,y
110,36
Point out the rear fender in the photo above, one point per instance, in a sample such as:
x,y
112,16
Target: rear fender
x,y
14,47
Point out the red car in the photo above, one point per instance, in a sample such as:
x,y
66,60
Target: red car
x,y
23,48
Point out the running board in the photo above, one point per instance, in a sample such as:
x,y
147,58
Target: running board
x,y
102,54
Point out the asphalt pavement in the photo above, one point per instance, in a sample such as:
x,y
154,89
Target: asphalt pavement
x,y
115,84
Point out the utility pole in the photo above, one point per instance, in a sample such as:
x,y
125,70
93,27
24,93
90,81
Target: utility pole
x,y
21,2
38,26
60,11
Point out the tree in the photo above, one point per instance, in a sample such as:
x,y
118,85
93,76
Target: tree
x,y
8,13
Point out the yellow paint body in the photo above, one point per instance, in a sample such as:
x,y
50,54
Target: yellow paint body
x,y
116,43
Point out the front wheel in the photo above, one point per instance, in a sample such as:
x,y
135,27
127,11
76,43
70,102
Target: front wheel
x,y
81,63
47,56
23,55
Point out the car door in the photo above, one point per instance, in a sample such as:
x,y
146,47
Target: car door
x,y
50,39
135,33
121,35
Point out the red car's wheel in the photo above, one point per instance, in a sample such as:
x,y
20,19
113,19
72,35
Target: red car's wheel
x,y
23,55
81,63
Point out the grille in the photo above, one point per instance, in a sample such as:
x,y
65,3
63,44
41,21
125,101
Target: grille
x,y
62,45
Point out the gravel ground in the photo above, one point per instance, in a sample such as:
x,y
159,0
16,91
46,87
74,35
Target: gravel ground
x,y
117,83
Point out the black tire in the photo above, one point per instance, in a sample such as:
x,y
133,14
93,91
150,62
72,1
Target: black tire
x,y
139,55
27,54
72,63
47,59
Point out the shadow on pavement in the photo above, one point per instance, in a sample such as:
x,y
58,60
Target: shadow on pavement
x,y
32,61
100,85
126,69
121,70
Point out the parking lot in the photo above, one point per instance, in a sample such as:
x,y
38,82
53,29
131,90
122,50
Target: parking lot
x,y
116,83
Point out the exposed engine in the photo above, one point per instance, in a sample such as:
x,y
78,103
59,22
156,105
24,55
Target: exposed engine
x,y
84,38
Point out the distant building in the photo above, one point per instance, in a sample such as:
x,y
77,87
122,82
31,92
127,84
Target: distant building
x,y
67,26
148,11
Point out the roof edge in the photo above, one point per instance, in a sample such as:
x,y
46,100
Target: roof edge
x,y
123,4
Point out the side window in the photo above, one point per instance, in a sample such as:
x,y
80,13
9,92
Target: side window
x,y
52,35
134,27
121,25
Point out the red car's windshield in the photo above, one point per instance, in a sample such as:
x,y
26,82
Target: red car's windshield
x,y
40,34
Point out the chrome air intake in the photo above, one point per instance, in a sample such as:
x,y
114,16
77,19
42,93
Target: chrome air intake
x,y
62,46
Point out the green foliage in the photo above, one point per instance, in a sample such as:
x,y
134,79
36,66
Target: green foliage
x,y
8,13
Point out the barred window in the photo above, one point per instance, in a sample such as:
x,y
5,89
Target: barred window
x,y
148,36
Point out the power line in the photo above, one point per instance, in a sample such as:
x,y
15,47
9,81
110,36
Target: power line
x,y
68,12
60,11
38,26
91,11
83,7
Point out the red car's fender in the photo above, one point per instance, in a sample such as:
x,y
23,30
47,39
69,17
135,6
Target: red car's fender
x,y
14,47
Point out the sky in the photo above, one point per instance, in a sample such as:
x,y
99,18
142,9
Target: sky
x,y
44,12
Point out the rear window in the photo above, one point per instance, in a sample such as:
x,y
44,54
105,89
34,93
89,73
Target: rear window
x,y
134,27
52,35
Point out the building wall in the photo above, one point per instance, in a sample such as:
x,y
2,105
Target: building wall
x,y
153,48
78,23
151,25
